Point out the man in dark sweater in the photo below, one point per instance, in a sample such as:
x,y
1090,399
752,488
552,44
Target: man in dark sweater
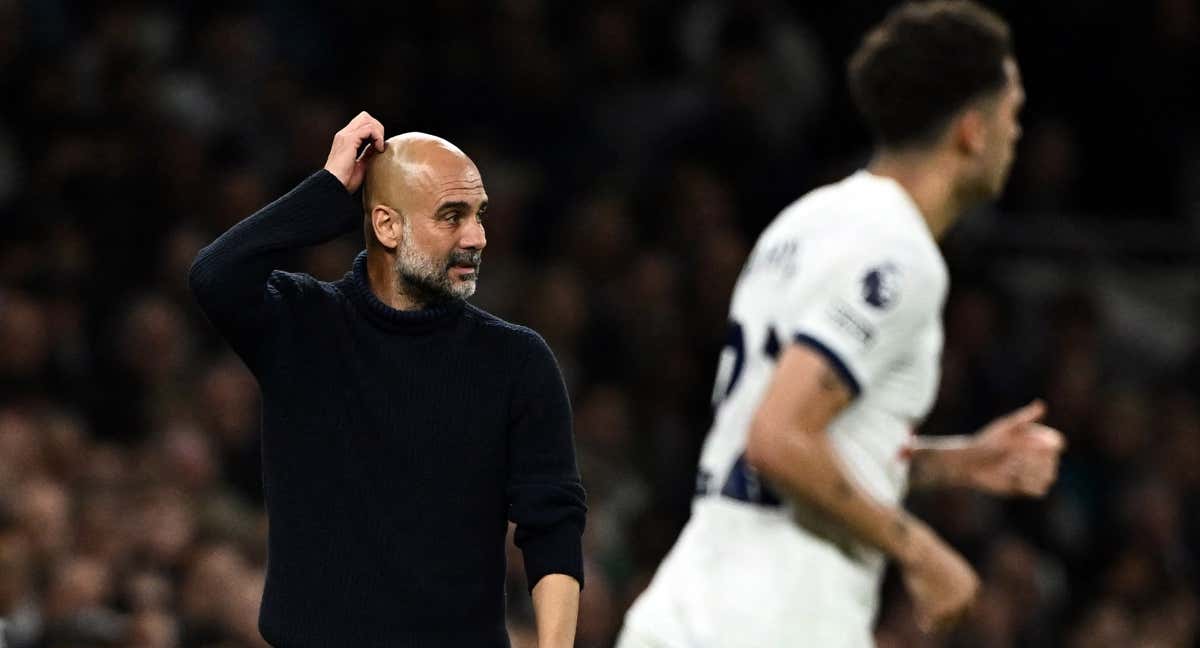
x,y
402,427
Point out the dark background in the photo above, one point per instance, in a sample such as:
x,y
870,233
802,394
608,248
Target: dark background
x,y
632,152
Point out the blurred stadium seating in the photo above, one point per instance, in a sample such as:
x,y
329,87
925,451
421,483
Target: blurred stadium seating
x,y
631,150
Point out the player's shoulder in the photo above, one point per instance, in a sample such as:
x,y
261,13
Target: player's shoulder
x,y
861,203
863,233
860,216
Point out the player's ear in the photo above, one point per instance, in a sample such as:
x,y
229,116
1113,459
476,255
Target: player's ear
x,y
970,131
386,225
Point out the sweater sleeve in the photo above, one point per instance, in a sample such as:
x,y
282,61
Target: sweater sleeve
x,y
229,276
545,495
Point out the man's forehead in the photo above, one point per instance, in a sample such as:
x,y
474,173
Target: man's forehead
x,y
461,185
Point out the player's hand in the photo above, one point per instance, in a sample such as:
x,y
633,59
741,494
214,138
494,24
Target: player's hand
x,y
344,161
1016,455
942,585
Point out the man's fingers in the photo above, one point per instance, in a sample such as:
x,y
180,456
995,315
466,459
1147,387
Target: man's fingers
x,y
365,153
1047,473
370,132
1031,413
1036,476
363,132
374,132
364,127
380,143
1049,438
352,147
1028,414
359,119
1034,487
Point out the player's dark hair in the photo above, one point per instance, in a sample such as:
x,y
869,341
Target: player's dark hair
x,y
922,64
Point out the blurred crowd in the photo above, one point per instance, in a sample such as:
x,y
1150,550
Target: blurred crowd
x,y
632,151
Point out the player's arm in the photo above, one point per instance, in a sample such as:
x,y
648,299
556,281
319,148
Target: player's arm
x,y
556,608
789,446
1012,455
229,277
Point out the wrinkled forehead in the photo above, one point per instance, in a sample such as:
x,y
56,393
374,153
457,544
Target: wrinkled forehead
x,y
443,179
461,182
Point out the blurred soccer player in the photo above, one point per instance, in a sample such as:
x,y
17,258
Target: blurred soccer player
x,y
832,358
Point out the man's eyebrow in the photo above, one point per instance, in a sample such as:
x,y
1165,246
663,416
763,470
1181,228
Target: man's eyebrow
x,y
454,204
460,204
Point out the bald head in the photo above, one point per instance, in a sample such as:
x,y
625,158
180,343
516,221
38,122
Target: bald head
x,y
414,167
423,203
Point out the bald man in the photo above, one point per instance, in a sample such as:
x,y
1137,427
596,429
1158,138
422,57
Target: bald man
x,y
402,427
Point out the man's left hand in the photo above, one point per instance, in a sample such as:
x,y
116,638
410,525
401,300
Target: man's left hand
x,y
1015,455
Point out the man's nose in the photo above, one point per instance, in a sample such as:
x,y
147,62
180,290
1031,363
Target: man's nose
x,y
474,238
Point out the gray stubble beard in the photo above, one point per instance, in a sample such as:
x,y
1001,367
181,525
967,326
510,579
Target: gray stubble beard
x,y
427,281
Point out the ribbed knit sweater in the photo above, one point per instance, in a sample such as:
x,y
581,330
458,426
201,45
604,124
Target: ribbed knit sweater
x,y
396,444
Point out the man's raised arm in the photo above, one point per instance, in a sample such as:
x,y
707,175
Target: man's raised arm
x,y
229,277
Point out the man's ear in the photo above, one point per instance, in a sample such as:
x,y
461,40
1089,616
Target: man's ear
x,y
970,132
387,226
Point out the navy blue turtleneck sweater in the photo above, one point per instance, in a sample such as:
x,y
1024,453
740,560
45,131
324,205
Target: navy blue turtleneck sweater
x,y
396,444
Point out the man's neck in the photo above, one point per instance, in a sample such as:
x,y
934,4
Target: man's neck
x,y
929,180
388,287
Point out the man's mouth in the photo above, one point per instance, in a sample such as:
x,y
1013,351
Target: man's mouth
x,y
465,269
464,265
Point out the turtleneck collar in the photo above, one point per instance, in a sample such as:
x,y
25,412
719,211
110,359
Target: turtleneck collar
x,y
358,288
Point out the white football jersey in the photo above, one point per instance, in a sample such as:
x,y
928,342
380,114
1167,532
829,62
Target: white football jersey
x,y
852,271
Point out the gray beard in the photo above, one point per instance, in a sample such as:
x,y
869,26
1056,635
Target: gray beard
x,y
427,281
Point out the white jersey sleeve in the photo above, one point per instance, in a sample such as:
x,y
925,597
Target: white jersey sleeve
x,y
863,309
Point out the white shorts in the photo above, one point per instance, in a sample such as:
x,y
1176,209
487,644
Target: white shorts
x,y
744,575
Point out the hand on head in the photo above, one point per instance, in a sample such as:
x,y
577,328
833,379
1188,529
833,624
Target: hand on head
x,y
345,161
